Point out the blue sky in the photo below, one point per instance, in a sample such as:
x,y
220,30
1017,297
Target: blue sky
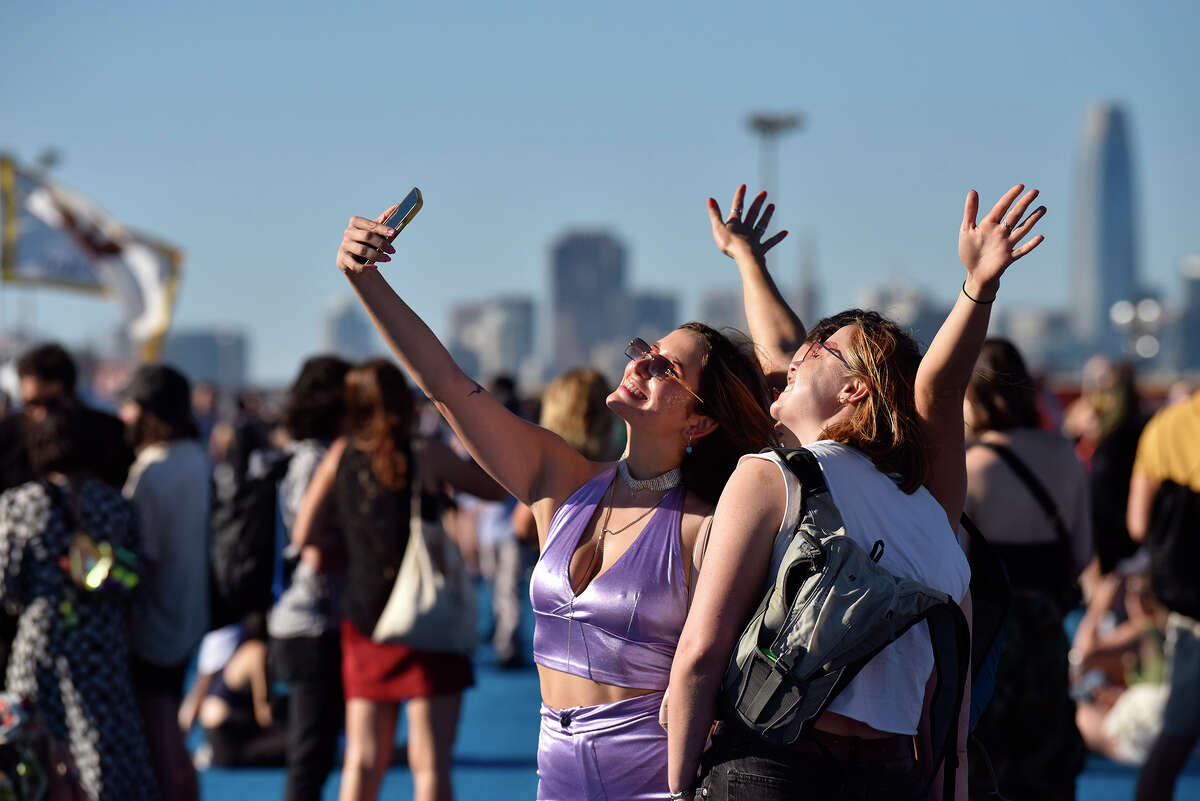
x,y
247,133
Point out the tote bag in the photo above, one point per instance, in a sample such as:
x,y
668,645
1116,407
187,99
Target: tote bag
x,y
432,604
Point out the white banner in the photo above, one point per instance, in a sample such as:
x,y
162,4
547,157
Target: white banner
x,y
53,236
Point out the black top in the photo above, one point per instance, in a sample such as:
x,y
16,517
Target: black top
x,y
375,523
1112,467
112,454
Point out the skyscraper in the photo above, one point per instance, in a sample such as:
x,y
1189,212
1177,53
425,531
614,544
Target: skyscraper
x,y
1104,252
1189,323
587,297
348,332
216,356
497,333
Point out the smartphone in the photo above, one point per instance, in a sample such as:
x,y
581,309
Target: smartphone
x,y
399,218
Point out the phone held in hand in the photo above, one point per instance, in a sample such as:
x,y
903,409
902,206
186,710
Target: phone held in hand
x,y
399,218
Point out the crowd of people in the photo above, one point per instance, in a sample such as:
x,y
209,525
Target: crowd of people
x,y
264,549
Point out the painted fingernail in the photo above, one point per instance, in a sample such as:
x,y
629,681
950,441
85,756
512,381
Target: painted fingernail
x,y
712,203
390,249
391,232
384,258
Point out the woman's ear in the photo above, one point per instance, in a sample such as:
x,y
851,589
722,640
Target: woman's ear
x,y
855,390
701,427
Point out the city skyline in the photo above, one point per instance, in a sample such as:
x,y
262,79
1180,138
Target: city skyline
x,y
228,131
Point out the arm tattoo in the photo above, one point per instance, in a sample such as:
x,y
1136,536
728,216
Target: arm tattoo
x,y
477,391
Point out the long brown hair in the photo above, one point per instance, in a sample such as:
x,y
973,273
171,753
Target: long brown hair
x,y
735,395
1002,393
884,426
379,410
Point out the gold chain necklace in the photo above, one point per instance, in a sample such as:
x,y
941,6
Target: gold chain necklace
x,y
597,560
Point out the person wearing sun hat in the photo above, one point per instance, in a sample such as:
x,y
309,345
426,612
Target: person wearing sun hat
x,y
169,485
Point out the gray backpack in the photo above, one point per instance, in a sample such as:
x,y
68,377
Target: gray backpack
x,y
830,610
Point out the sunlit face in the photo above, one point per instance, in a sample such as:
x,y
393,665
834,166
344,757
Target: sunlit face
x,y
816,379
641,397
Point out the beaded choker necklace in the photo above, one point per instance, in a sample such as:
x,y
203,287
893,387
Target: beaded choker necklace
x,y
666,481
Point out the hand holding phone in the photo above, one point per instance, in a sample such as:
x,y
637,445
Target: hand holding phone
x,y
397,220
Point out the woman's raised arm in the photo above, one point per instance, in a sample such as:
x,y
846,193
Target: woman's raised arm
x,y
530,462
774,328
986,249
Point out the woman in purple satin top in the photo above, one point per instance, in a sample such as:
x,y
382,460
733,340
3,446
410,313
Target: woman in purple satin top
x,y
611,590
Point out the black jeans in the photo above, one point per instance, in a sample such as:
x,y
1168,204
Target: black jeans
x,y
312,668
741,767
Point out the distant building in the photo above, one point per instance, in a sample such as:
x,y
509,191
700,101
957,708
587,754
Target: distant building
x,y
653,315
723,308
216,356
348,332
908,307
1043,336
806,298
1189,321
1104,246
587,297
492,337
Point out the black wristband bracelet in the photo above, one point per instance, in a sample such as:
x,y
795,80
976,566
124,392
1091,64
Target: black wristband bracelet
x,y
975,300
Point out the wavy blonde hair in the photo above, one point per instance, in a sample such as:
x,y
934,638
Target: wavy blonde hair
x,y
573,406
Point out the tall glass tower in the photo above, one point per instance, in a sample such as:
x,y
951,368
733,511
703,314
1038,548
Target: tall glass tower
x,y
1104,262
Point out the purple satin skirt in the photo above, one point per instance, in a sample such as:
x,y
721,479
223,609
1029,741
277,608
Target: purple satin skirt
x,y
609,752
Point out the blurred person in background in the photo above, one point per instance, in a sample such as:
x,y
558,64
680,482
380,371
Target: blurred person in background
x,y
367,483
573,406
1117,665
499,552
48,377
241,726
69,550
305,623
1164,512
204,411
169,486
251,432
1107,421
1028,493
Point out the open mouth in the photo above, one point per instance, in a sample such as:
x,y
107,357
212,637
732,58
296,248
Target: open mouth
x,y
633,390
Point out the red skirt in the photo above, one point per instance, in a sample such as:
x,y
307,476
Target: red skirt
x,y
389,672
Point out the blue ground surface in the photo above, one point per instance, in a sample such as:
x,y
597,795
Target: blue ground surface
x,y
495,755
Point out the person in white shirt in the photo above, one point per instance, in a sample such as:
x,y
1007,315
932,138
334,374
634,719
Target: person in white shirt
x,y
886,427
169,486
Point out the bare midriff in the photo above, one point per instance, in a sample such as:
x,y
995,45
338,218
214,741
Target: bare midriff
x,y
564,691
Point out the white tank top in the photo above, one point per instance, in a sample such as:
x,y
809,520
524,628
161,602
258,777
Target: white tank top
x,y
918,544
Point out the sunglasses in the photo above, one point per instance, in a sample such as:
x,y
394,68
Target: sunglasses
x,y
659,366
820,343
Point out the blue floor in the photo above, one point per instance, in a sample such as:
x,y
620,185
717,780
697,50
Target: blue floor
x,y
495,755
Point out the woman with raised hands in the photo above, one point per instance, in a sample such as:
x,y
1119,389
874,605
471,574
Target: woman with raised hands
x,y
618,540
886,426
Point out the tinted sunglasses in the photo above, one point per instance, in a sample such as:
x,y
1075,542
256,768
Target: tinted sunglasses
x,y
820,343
659,367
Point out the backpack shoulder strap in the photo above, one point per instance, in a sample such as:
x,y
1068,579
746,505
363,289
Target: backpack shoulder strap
x,y
951,640
803,463
1036,488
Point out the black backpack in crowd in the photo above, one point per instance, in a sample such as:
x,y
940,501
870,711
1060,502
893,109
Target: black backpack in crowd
x,y
1173,539
830,609
243,546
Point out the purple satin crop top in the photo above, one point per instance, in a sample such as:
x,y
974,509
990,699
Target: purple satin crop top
x,y
623,628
